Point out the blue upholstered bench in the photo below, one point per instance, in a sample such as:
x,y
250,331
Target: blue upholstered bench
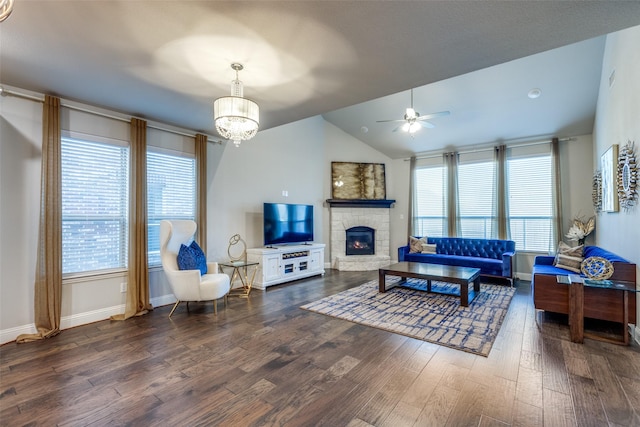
x,y
493,257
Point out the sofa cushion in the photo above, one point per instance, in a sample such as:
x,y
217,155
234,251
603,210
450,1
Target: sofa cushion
x,y
550,270
415,244
482,248
572,263
565,249
192,258
429,248
486,265
590,251
569,257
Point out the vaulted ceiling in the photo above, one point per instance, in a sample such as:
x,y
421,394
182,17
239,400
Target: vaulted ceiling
x,y
353,62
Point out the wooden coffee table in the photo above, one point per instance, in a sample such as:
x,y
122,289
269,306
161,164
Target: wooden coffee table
x,y
462,276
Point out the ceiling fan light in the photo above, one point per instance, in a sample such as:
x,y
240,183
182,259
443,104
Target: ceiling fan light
x,y
405,127
413,127
410,112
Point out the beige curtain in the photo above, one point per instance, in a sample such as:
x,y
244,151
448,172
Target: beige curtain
x,y
557,190
138,279
48,277
500,157
201,190
453,219
412,202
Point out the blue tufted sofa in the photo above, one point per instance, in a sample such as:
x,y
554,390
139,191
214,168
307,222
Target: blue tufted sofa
x,y
493,257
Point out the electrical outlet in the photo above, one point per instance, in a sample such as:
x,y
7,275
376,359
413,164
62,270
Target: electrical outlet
x,y
123,287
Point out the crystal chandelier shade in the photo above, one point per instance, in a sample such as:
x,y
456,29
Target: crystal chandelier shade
x,y
236,118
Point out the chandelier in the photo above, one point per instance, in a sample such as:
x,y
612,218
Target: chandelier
x,y
236,118
6,7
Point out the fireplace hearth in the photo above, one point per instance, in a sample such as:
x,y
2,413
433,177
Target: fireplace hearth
x,y
360,241
344,218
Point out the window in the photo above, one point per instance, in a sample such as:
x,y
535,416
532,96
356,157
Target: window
x,y
476,198
530,203
430,201
529,197
95,199
171,190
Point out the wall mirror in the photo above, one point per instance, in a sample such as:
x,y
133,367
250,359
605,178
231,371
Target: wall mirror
x,y
609,168
627,176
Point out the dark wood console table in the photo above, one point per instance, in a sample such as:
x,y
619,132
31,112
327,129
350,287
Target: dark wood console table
x,y
576,305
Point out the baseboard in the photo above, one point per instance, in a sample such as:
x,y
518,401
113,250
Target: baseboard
x,y
635,336
90,316
163,300
79,319
524,276
8,335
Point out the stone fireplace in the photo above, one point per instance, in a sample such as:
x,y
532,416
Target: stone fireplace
x,y
359,223
360,241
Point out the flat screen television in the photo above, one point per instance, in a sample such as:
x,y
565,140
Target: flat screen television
x,y
287,223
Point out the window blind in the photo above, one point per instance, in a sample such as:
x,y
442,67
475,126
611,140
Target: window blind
x,y
530,202
431,203
476,194
171,193
95,198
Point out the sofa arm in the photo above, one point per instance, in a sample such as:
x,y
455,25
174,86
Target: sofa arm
x,y
543,260
507,264
402,251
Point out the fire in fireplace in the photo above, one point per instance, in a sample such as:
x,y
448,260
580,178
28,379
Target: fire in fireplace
x,y
361,241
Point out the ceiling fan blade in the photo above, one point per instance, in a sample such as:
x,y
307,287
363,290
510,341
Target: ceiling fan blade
x,y
396,129
433,115
388,121
426,124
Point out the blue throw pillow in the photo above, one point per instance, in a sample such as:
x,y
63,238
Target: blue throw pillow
x,y
192,258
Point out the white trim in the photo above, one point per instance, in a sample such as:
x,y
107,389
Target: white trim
x,y
635,336
163,300
523,276
87,317
8,335
79,319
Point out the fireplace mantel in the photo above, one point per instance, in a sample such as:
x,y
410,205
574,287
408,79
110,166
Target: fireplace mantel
x,y
360,203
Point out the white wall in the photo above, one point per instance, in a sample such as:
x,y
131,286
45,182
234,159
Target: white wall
x,y
287,158
20,142
618,121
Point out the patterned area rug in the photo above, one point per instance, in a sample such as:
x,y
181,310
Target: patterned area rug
x,y
429,317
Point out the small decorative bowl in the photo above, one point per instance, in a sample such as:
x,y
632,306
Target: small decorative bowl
x,y
597,268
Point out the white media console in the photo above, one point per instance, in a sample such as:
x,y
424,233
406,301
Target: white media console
x,y
281,264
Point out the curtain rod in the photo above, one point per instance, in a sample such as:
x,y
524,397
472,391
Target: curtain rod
x,y
122,118
489,148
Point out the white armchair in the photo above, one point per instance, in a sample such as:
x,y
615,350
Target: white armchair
x,y
189,285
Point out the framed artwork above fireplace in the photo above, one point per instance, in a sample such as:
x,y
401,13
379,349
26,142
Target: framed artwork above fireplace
x,y
358,181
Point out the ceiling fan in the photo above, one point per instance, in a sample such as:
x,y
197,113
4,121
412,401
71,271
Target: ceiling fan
x,y
413,120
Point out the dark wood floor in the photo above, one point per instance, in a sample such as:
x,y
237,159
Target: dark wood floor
x,y
266,362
